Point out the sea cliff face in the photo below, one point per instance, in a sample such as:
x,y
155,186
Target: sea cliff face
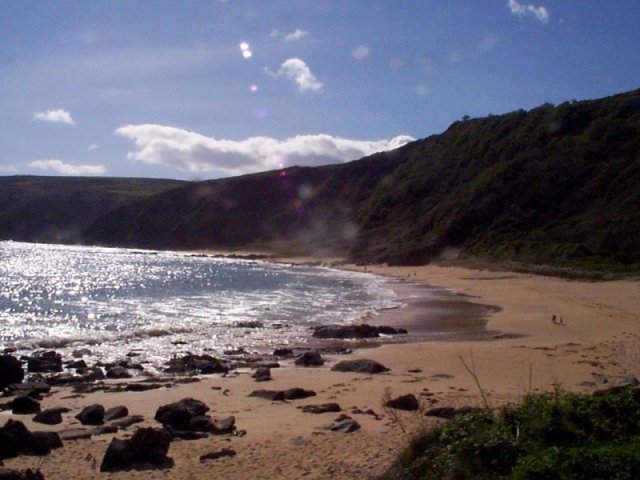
x,y
554,185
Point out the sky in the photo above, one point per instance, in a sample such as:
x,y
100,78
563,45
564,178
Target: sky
x,y
191,89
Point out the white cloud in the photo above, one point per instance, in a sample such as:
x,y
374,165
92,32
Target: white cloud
x,y
521,9
299,73
296,35
55,116
62,168
92,147
361,52
192,152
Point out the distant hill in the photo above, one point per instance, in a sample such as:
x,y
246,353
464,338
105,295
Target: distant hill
x,y
556,185
59,209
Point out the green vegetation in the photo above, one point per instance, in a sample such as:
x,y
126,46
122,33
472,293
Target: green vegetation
x,y
552,436
59,209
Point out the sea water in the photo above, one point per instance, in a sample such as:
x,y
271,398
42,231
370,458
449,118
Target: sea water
x,y
157,304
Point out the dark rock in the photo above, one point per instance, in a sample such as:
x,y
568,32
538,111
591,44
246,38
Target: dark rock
x,y
360,366
24,405
49,440
115,413
147,445
16,439
151,444
297,393
237,351
355,331
119,455
118,372
274,395
283,352
28,388
204,364
441,412
76,364
10,371
310,359
281,395
225,452
28,474
404,402
262,374
91,415
343,424
324,408
50,416
45,362
178,415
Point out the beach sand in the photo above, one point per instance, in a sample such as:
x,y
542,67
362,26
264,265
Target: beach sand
x,y
525,352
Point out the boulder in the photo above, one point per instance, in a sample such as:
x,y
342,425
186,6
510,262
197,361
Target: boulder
x,y
50,416
297,393
273,395
360,366
262,374
404,402
45,362
50,440
91,415
147,445
10,371
177,415
24,405
310,359
16,439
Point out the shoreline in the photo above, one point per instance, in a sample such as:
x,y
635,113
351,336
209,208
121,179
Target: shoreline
x,y
595,343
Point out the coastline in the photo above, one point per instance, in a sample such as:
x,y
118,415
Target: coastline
x,y
595,342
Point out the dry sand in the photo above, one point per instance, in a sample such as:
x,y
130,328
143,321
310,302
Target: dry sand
x,y
598,339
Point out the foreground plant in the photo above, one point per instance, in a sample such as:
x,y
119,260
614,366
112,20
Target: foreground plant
x,y
557,435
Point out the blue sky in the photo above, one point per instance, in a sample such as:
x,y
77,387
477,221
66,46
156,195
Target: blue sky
x,y
204,89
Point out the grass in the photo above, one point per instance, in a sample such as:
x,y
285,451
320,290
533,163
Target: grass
x,y
557,435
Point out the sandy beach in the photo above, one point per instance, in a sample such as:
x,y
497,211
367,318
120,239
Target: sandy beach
x,y
592,343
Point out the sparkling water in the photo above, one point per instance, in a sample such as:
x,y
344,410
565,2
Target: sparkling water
x,y
157,304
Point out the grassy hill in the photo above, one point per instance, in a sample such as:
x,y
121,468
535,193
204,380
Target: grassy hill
x,y
555,185
59,209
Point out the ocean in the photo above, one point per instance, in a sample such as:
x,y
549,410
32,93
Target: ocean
x,y
157,304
